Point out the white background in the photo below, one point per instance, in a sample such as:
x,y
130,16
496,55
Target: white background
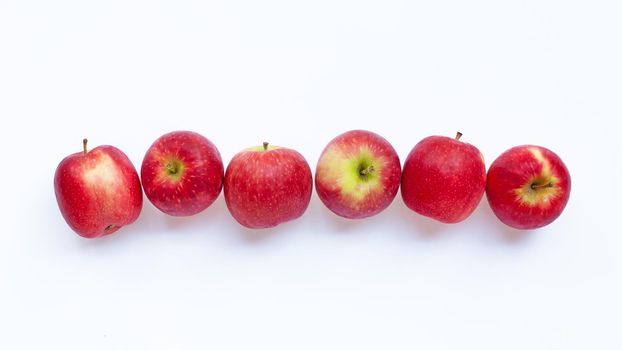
x,y
297,74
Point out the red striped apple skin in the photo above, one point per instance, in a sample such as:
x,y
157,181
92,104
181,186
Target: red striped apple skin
x,y
358,174
267,186
182,173
444,179
528,187
98,191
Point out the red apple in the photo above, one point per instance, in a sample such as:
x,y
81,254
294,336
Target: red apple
x,y
358,174
444,178
267,185
182,173
528,187
98,192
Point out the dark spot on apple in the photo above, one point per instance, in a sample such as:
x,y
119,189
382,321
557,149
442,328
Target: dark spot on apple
x,y
109,227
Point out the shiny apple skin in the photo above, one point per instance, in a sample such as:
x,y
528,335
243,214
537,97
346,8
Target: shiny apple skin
x,y
443,179
509,187
198,177
265,188
98,192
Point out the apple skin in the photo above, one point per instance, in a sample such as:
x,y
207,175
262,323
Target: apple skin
x,y
444,179
98,191
266,186
342,179
528,187
182,173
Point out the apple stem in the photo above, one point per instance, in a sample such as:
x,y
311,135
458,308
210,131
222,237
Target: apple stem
x,y
171,168
535,186
265,146
458,136
84,141
370,169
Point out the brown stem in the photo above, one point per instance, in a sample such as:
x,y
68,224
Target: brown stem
x,y
265,146
535,186
171,168
370,169
84,141
458,136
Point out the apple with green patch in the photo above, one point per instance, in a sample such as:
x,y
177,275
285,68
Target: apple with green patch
x,y
182,173
528,187
358,174
98,191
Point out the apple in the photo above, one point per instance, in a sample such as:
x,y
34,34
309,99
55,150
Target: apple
x,y
444,178
358,174
182,173
267,185
528,187
97,191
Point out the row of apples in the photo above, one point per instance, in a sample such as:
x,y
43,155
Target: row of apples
x,y
357,176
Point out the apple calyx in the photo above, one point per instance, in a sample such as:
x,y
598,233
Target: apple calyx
x,y
365,171
458,135
538,191
541,188
174,169
84,141
171,168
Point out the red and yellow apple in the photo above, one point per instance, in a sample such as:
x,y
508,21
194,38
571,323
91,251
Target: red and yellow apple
x,y
182,173
267,185
444,179
97,191
528,187
358,174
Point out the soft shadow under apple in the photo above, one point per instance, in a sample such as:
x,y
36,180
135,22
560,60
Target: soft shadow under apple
x,y
422,226
485,218
256,236
215,211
